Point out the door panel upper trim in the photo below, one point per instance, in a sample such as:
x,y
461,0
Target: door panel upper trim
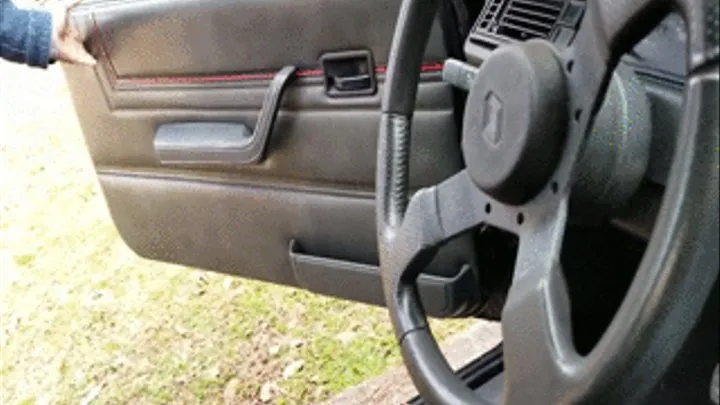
x,y
154,38
117,81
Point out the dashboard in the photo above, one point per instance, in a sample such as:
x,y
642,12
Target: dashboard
x,y
661,54
658,61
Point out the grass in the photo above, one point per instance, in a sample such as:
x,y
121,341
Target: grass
x,y
85,320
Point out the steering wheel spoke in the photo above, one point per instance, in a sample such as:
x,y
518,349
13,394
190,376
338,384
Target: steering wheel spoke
x,y
536,316
460,205
433,216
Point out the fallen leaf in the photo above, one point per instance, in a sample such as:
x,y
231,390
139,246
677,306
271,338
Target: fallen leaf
x,y
43,400
96,295
230,391
79,377
346,337
267,391
99,297
121,360
293,368
181,330
230,283
319,391
274,350
236,292
213,372
91,395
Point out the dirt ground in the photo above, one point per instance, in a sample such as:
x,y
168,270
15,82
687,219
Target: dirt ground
x,y
84,320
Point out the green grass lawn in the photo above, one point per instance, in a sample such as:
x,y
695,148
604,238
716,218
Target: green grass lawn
x,y
83,319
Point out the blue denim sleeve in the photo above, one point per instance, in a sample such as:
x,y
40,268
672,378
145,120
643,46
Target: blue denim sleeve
x,y
25,35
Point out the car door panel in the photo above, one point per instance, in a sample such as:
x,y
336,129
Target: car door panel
x,y
212,61
158,38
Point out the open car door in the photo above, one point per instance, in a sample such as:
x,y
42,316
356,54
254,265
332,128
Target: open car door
x,y
240,136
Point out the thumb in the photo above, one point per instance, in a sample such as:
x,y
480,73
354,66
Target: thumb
x,y
73,51
81,56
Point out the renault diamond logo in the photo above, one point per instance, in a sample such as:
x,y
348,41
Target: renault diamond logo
x,y
492,119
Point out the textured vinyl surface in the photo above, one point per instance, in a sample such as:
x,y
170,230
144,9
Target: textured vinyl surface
x,y
211,61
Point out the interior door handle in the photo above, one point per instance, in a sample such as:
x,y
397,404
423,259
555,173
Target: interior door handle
x,y
223,142
352,83
348,73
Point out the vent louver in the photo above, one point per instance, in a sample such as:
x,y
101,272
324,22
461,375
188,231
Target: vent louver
x,y
489,14
520,19
525,19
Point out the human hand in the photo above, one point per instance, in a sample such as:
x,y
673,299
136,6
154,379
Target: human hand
x,y
67,43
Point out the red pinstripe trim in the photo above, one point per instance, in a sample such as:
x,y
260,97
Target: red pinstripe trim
x,y
115,79
234,77
239,77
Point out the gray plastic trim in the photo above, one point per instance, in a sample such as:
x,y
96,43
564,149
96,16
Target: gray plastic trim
x,y
442,296
226,143
201,142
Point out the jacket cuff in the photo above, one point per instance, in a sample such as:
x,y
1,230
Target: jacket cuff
x,y
39,38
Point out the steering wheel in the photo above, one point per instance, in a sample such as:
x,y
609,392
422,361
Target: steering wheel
x,y
527,117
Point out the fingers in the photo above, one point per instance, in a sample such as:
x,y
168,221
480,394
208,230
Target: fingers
x,y
67,6
71,50
70,4
67,41
81,56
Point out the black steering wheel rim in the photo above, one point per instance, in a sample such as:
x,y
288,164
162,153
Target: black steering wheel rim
x,y
676,274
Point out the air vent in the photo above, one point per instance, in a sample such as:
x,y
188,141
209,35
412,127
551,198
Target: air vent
x,y
525,19
507,21
522,19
